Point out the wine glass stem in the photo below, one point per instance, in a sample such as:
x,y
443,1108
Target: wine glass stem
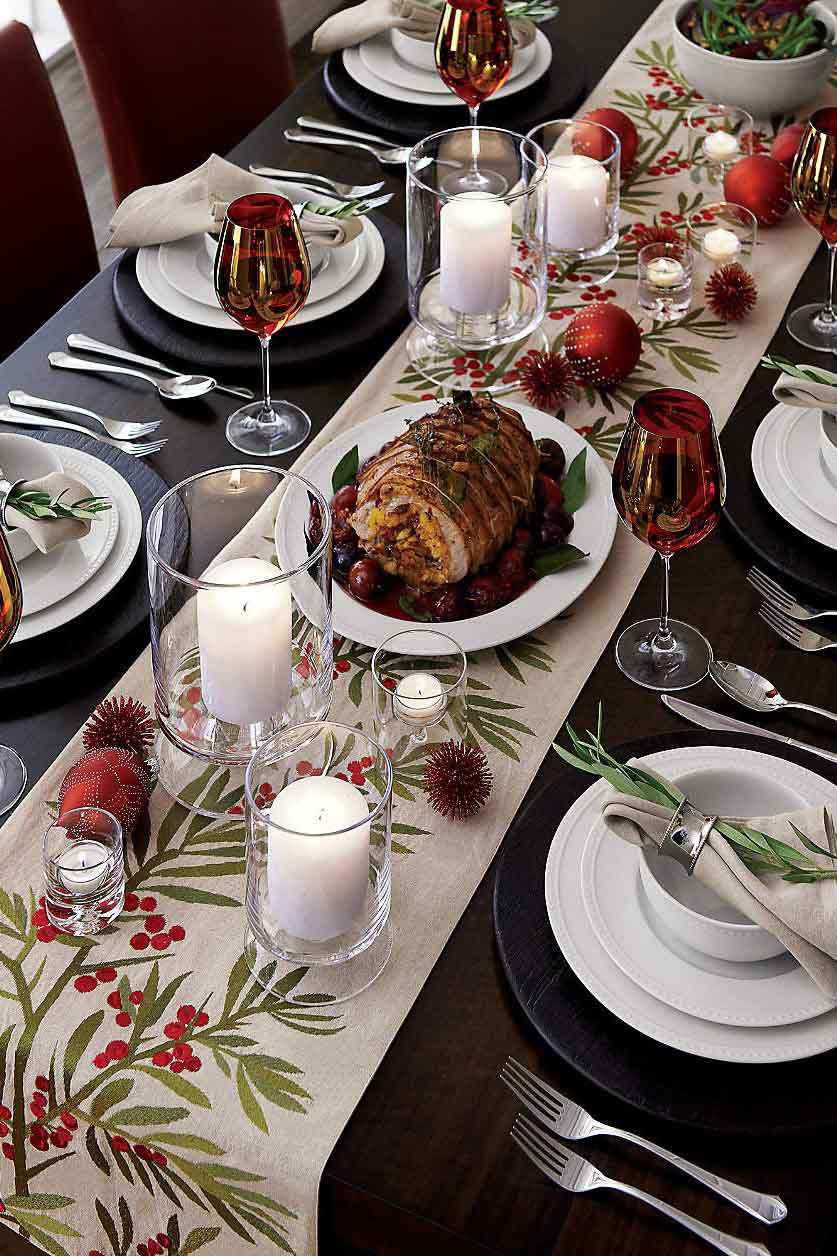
x,y
827,312
264,341
473,110
663,631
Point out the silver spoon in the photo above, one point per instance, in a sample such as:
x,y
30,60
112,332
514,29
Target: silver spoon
x,y
180,388
756,692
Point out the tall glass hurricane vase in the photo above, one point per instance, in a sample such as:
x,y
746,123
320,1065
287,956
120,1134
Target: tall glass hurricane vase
x,y
814,190
262,280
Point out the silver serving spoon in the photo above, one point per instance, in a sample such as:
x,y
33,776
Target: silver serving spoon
x,y
756,692
179,388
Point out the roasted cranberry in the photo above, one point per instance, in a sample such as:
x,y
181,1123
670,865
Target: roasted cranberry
x,y
485,593
346,499
522,539
548,492
553,458
447,603
512,567
365,578
315,525
556,526
345,555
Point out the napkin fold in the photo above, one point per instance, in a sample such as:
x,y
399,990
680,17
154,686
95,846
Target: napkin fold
x,y
352,26
792,391
198,201
48,534
802,916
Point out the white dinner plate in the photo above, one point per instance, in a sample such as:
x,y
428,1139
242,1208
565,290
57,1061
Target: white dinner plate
x,y
158,290
379,56
49,578
595,525
128,537
801,465
357,69
586,954
774,486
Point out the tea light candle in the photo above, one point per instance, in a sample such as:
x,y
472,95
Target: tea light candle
x,y
419,698
576,202
665,272
475,252
83,866
720,146
244,639
317,876
721,244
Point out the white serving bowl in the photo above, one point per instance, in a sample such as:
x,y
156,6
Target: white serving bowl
x,y
828,443
763,88
693,913
420,53
25,458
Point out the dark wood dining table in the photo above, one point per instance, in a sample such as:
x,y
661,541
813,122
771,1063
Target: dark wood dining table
x,y
425,1165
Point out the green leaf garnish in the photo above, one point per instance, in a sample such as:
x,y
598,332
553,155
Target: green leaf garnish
x,y
806,373
36,504
346,470
408,606
574,483
548,561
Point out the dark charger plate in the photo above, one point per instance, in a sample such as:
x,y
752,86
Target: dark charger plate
x,y
707,1095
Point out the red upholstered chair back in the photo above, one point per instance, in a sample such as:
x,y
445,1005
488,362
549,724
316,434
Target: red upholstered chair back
x,y
47,251
174,80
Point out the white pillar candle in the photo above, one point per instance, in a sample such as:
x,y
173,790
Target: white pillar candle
x,y
317,877
244,638
419,698
721,244
475,253
83,866
576,202
720,146
665,272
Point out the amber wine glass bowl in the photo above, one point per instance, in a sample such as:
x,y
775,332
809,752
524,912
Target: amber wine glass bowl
x,y
668,487
262,280
814,191
12,767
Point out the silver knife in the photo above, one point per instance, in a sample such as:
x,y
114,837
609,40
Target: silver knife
x,y
705,718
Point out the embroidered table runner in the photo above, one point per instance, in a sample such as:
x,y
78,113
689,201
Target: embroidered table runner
x,y
153,1098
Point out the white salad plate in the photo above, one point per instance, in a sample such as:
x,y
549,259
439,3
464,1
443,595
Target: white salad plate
x,y
775,487
106,482
800,462
594,906
25,458
379,56
358,69
595,525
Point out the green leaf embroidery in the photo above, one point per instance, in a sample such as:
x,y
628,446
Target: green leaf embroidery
x,y
198,1238
183,1088
249,1102
114,1092
144,1114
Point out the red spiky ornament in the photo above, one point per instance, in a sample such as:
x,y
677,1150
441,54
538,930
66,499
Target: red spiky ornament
x,y
731,292
656,233
112,774
457,779
121,722
546,378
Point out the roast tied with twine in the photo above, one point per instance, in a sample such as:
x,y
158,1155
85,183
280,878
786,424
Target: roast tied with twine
x,y
363,21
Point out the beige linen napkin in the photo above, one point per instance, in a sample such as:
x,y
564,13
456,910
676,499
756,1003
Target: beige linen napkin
x,y
362,21
48,534
803,917
806,393
198,201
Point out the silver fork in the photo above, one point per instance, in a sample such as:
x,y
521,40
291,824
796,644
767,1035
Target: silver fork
x,y
21,419
118,428
780,597
578,1175
792,631
569,1120
347,190
394,156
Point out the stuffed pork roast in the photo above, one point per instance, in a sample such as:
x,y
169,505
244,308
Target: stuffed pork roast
x,y
444,498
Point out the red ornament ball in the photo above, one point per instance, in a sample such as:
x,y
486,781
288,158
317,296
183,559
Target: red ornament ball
x,y
603,344
592,143
115,780
786,143
761,185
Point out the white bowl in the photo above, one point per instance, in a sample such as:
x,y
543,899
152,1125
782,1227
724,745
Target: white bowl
x,y
420,53
25,458
828,443
693,913
763,88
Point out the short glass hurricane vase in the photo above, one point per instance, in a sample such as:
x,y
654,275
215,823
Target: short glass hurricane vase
x,y
719,136
239,574
664,279
84,871
582,224
476,263
721,234
319,844
420,680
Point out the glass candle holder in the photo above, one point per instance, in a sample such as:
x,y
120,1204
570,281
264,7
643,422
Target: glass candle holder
x,y
239,573
582,223
84,871
318,803
476,266
719,136
719,234
664,279
420,693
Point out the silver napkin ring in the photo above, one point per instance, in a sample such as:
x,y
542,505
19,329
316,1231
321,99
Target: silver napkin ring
x,y
686,835
6,487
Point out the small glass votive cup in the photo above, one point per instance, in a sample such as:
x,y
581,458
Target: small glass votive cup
x,y
664,279
420,679
719,136
719,234
84,871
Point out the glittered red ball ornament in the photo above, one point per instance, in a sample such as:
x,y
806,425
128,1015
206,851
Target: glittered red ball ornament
x,y
760,184
786,142
603,344
592,143
115,780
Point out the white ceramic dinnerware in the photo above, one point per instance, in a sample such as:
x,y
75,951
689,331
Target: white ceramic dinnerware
x,y
25,458
790,473
828,446
380,58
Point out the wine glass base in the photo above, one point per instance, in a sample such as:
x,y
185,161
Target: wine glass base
x,y
12,778
320,984
581,272
806,327
682,664
266,433
487,182
431,357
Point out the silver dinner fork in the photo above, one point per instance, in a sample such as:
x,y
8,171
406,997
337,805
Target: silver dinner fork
x,y
793,632
21,419
118,428
390,156
781,599
569,1120
348,191
574,1173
